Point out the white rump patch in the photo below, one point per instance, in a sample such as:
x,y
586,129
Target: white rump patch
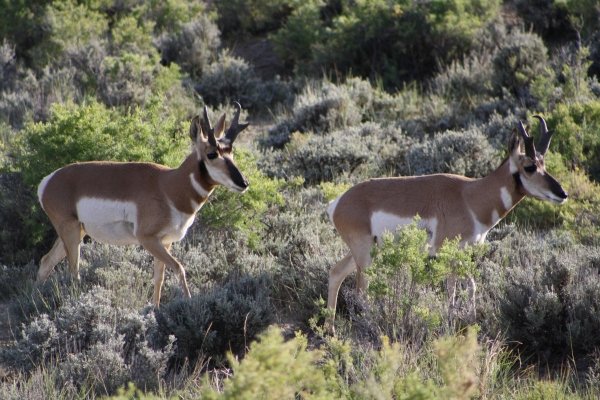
x,y
42,187
108,221
506,197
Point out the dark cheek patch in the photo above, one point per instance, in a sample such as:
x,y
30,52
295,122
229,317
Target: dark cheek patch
x,y
555,187
235,174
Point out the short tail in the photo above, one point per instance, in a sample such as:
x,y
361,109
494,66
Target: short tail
x,y
331,208
42,187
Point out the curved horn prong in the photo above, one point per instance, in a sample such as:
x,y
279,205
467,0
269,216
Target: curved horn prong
x,y
528,140
235,128
208,129
545,136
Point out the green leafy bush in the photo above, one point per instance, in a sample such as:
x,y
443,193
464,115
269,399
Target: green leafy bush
x,y
394,41
520,63
130,35
302,30
93,132
170,15
20,224
240,17
8,66
405,282
576,138
559,21
68,27
193,46
21,23
277,369
274,369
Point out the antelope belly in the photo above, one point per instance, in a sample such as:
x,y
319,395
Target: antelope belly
x,y
108,221
382,221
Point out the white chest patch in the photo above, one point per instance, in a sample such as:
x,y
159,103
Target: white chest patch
x,y
506,197
180,223
382,222
108,221
480,230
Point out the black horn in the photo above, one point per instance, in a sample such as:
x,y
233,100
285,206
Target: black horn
x,y
528,140
208,129
545,136
235,128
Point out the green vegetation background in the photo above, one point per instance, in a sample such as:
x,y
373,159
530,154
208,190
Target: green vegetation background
x,y
336,91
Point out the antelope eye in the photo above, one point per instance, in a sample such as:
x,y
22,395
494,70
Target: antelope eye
x,y
212,156
530,168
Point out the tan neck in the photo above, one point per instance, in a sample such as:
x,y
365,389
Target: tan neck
x,y
187,186
491,198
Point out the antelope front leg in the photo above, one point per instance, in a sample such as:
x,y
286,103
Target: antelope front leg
x,y
163,257
159,278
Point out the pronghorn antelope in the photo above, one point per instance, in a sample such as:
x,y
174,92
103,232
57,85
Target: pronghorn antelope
x,y
448,205
139,203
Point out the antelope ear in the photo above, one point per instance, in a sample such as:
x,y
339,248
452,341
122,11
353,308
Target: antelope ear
x,y
195,128
514,144
220,127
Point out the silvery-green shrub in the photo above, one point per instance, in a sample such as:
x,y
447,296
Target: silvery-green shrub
x,y
465,152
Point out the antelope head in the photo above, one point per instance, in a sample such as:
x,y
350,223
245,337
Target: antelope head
x,y
528,168
215,149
